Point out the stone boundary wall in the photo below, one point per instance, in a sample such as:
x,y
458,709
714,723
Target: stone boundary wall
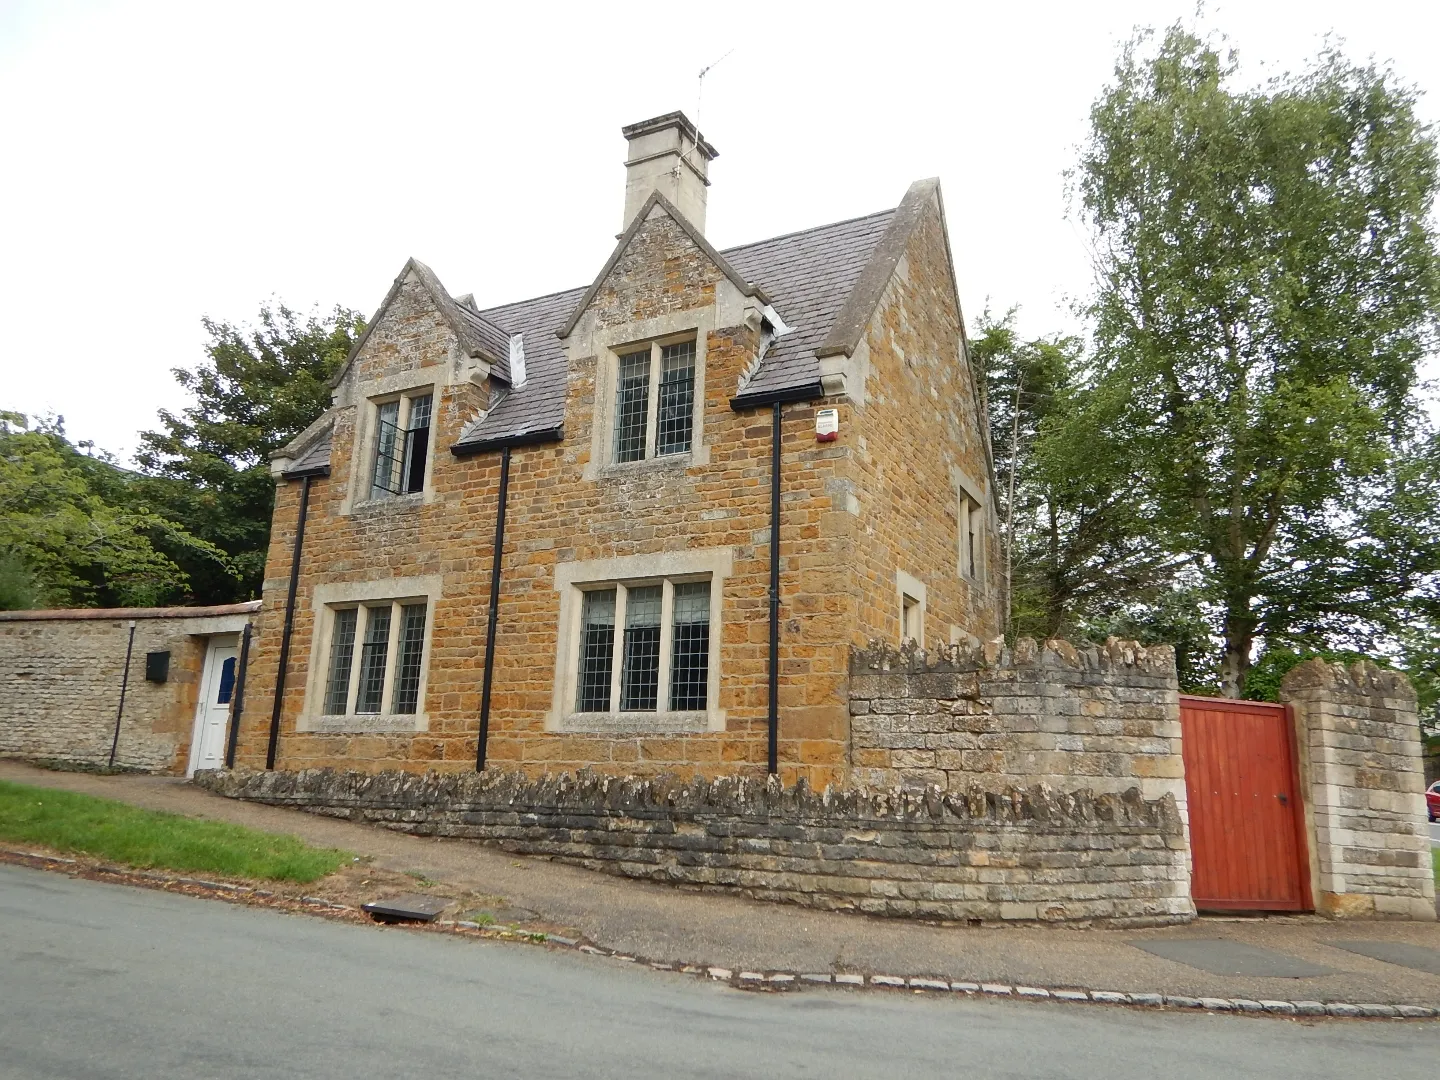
x,y
60,676
1113,858
1102,717
1358,736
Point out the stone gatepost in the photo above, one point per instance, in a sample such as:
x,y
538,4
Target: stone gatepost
x,y
1358,736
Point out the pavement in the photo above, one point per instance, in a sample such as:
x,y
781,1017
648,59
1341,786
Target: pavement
x,y
102,980
1316,958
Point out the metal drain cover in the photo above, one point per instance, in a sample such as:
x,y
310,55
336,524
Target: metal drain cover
x,y
414,907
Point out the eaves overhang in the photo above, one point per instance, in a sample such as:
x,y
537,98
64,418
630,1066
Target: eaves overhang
x,y
806,392
500,442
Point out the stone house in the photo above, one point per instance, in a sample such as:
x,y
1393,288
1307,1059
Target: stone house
x,y
636,526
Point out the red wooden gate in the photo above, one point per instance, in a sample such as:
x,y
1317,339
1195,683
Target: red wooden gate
x,y
1247,833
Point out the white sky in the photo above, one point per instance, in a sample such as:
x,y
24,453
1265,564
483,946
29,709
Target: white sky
x,y
159,163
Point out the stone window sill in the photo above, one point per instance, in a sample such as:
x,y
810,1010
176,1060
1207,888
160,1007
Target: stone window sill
x,y
664,463
391,503
645,723
365,723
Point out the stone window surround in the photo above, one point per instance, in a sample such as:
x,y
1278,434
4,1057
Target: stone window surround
x,y
907,586
324,600
634,570
370,396
608,345
969,504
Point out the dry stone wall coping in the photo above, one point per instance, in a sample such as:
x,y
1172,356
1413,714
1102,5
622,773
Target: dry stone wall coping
x,y
1034,854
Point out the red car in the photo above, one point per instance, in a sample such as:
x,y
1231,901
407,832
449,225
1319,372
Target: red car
x,y
1432,800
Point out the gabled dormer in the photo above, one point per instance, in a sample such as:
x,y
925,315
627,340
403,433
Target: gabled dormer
x,y
425,364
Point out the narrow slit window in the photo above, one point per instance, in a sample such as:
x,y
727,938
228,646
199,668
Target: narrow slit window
x,y
407,662
417,444
597,648
910,629
342,655
640,673
972,539
373,655
675,415
632,405
690,647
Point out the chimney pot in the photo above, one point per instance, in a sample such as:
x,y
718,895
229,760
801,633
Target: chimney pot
x,y
667,154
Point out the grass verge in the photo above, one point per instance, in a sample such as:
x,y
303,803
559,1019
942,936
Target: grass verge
x,y
66,821
1435,864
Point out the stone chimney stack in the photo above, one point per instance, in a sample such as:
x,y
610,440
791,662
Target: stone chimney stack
x,y
668,155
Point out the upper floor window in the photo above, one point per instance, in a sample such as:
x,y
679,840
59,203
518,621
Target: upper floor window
x,y
390,636
655,401
402,445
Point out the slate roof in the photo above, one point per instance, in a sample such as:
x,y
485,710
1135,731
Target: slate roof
x,y
807,275
493,340
314,460
539,406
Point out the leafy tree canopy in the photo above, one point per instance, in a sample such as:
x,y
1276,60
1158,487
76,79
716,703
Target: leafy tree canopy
x,y
1268,282
1082,541
77,530
259,387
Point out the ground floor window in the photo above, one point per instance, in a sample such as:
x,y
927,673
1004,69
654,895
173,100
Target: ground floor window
x,y
375,656
644,647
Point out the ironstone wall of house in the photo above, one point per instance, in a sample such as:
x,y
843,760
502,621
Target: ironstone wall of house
x,y
61,673
1358,736
1116,859
1103,717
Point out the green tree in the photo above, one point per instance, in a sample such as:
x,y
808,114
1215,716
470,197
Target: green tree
x,y
259,387
19,589
1081,540
1267,284
76,531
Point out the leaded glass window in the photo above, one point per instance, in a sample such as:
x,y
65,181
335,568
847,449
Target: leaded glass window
x,y
373,654
655,401
632,404
597,650
640,675
407,662
342,656
387,450
690,646
390,672
675,414
644,647
402,445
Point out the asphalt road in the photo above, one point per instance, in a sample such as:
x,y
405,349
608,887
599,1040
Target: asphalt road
x,y
106,981
1435,834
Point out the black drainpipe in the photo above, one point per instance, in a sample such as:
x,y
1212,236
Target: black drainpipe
x,y
774,717
494,616
237,705
124,683
289,626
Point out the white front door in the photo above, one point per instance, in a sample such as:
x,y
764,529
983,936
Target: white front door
x,y
212,716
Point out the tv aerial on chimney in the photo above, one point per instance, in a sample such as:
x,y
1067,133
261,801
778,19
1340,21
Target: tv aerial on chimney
x,y
699,94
